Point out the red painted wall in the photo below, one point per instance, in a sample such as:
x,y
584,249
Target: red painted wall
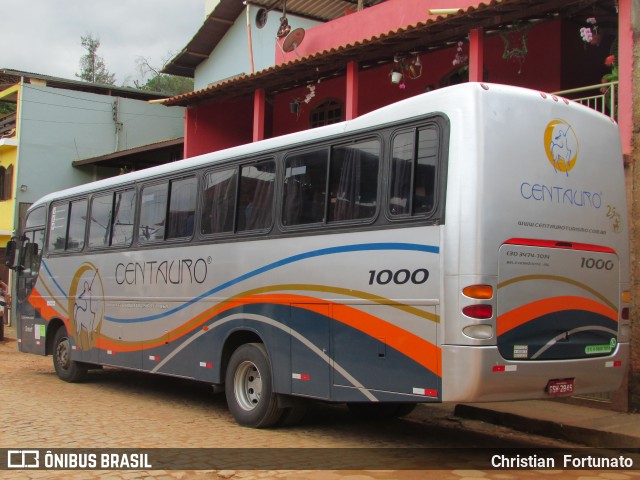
x,y
557,59
215,126
384,17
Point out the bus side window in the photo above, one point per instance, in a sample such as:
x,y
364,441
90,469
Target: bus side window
x,y
401,170
424,185
58,227
413,172
67,226
77,225
153,211
182,207
218,203
123,216
305,185
353,181
255,204
100,225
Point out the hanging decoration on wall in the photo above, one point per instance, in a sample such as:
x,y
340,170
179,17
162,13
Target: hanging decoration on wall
x,y
284,28
591,33
461,58
404,67
295,106
515,44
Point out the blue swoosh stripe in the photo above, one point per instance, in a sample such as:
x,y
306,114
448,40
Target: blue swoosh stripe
x,y
285,261
53,279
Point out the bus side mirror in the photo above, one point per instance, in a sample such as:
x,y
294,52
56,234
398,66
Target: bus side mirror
x,y
10,254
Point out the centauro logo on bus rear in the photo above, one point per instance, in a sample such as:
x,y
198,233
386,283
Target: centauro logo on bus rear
x,y
562,150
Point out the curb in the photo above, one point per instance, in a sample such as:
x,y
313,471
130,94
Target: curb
x,y
573,433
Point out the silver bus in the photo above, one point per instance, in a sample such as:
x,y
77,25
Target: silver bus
x,y
468,244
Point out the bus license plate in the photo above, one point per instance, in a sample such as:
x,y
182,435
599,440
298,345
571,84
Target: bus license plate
x,y
560,387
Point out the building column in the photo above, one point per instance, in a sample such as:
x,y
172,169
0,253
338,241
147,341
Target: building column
x,y
625,72
259,113
629,74
476,55
351,107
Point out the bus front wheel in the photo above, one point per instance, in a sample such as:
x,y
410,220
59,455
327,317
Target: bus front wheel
x,y
249,387
66,369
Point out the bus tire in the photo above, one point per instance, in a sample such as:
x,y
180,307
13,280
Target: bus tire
x,y
293,415
249,387
66,369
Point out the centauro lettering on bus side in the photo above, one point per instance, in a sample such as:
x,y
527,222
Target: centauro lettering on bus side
x,y
433,250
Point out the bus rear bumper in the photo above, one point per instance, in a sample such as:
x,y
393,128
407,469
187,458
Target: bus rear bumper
x,y
480,374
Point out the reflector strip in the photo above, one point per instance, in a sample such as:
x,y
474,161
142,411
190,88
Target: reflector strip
x,y
206,364
300,376
528,242
425,392
505,368
616,363
110,352
74,347
154,358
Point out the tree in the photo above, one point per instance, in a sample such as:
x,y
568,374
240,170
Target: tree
x,y
92,67
160,82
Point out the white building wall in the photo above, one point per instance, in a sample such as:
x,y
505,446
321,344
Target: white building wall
x,y
59,126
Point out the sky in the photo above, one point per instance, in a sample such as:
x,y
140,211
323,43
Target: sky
x,y
43,36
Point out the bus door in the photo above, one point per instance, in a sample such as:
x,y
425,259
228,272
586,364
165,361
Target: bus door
x,y
30,325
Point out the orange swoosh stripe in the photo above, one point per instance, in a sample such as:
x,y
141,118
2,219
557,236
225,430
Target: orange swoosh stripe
x,y
416,348
521,315
40,304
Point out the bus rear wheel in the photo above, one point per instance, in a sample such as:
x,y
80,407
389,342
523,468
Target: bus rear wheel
x,y
66,369
249,387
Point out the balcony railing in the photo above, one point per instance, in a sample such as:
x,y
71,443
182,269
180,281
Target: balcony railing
x,y
8,125
602,97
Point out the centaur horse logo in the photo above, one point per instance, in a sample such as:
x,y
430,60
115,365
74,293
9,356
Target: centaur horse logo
x,y
561,145
86,305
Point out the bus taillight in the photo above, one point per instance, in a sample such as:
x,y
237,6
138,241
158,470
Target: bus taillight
x,y
479,312
479,292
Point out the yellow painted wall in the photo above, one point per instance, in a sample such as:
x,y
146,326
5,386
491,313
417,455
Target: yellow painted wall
x,y
7,207
8,157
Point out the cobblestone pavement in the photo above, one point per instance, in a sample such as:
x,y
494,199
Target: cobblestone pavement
x,y
118,409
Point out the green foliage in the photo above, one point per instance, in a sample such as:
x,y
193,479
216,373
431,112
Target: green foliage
x,y
92,67
159,82
168,84
7,108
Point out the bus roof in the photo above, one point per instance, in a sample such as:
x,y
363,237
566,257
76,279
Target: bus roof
x,y
430,102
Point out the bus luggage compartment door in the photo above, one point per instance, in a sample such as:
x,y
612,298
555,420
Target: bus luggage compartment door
x,y
557,300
